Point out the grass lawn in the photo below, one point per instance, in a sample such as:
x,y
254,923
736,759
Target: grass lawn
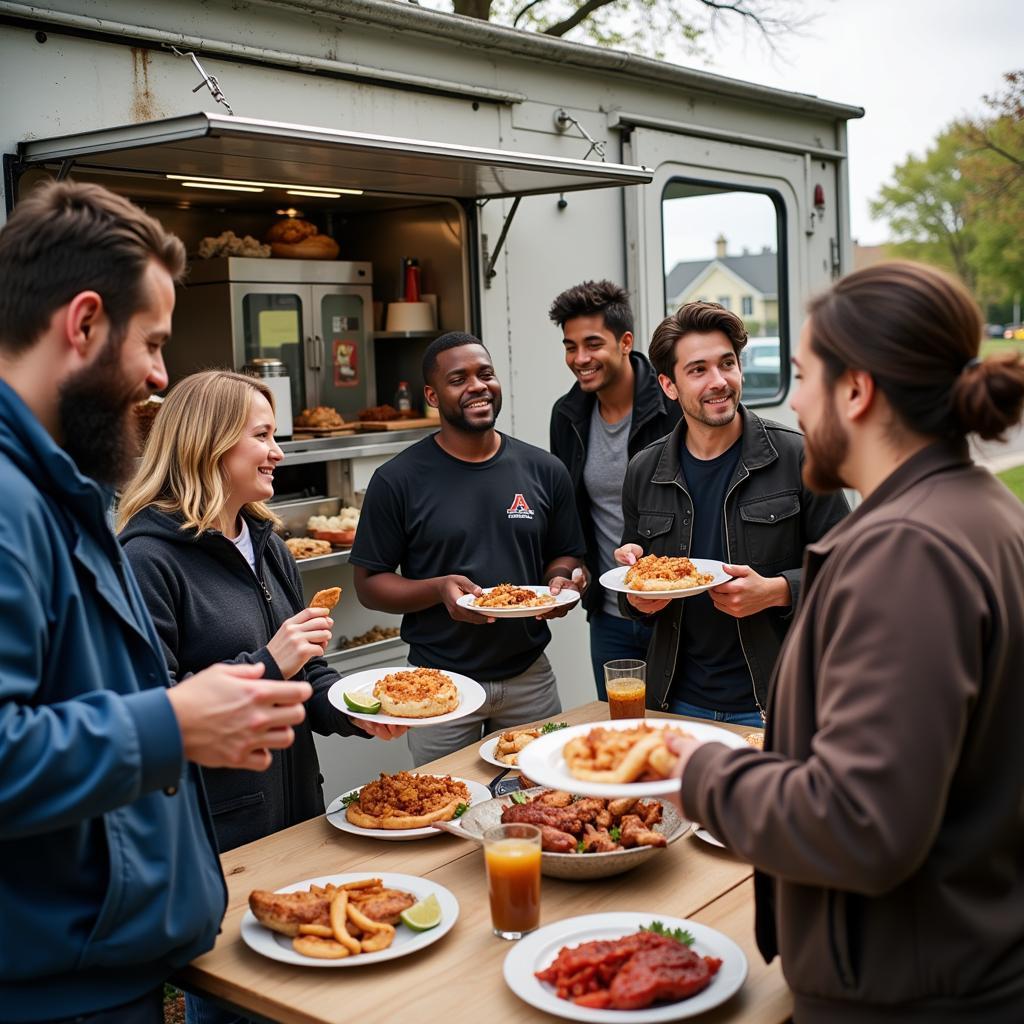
x,y
1014,479
993,345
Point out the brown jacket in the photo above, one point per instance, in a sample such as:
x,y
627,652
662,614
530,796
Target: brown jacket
x,y
887,812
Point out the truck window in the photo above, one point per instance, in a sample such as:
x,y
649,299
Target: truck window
x,y
725,243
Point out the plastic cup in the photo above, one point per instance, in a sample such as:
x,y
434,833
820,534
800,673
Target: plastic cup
x,y
625,681
512,855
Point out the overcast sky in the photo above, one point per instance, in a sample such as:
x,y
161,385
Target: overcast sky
x,y
913,65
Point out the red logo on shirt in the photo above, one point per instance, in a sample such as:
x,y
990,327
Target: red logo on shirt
x,y
519,509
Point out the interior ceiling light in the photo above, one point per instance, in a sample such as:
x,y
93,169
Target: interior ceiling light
x,y
315,195
222,188
290,212
318,189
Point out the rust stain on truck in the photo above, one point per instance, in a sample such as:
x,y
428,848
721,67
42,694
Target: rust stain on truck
x,y
143,107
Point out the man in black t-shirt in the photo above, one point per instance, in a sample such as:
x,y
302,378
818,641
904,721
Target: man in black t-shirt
x,y
464,509
724,485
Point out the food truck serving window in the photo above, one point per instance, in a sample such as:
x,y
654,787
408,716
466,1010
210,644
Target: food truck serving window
x,y
258,155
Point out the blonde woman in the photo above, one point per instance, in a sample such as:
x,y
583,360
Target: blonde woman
x,y
222,586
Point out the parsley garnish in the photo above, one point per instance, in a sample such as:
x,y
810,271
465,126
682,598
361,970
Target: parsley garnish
x,y
615,832
553,726
579,846
460,810
350,798
519,797
679,934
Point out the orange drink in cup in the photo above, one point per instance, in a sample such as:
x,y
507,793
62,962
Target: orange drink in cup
x,y
625,681
512,856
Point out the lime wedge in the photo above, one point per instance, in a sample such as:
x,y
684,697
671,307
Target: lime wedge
x,y
363,702
423,916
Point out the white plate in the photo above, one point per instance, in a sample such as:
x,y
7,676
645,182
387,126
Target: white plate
x,y
279,947
486,752
471,696
542,762
539,949
562,598
478,794
487,748
614,579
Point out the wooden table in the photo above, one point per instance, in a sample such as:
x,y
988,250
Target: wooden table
x,y
459,978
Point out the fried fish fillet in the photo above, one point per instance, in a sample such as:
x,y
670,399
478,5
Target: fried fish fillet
x,y
326,598
382,905
284,911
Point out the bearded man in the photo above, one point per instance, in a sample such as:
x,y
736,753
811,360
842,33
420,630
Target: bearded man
x,y
884,817
724,485
110,876
467,508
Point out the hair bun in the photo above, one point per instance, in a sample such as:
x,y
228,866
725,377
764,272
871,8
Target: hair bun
x,y
988,395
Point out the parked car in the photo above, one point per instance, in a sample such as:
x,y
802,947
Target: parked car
x,y
761,367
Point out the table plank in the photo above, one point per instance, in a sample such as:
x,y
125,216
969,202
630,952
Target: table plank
x,y
462,971
764,997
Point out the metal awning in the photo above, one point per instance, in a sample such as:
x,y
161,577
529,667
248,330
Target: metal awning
x,y
219,146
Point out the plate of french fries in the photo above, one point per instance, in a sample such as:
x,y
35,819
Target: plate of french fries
x,y
337,912
623,758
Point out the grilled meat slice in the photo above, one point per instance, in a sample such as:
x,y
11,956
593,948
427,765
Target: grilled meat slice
x,y
597,840
565,819
553,840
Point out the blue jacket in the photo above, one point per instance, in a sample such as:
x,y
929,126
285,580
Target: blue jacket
x,y
109,878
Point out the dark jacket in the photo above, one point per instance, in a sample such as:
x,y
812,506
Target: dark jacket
x,y
109,878
209,606
769,518
654,415
887,808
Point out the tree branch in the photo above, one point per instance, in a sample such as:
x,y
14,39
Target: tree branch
x,y
523,10
584,12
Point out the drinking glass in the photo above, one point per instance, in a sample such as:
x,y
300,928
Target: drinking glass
x,y
626,683
512,856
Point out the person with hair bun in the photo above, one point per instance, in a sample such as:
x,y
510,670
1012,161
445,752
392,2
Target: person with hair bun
x,y
884,816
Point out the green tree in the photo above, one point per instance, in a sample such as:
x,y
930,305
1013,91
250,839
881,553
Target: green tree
x,y
927,209
994,164
961,205
641,25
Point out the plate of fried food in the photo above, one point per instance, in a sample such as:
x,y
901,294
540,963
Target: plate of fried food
x,y
628,757
508,601
625,968
402,806
584,837
406,695
503,750
659,576
348,920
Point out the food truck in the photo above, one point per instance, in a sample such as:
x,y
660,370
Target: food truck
x,y
458,176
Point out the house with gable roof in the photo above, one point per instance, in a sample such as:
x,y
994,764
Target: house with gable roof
x,y
747,284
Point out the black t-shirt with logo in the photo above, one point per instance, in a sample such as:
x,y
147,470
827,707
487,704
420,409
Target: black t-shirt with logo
x,y
429,514
711,671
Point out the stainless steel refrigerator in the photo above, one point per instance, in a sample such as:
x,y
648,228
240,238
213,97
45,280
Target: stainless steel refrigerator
x,y
316,316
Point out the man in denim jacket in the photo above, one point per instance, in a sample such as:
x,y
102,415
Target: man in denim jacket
x,y
110,876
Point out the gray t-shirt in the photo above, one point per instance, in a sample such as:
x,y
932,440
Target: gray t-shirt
x,y
603,473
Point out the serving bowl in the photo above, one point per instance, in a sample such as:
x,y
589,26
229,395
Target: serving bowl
x,y
580,867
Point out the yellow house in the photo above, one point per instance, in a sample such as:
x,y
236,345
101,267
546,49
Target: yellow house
x,y
747,284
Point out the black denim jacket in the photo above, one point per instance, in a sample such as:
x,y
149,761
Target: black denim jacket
x,y
769,517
